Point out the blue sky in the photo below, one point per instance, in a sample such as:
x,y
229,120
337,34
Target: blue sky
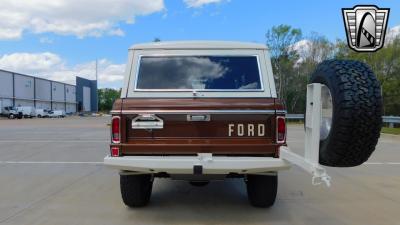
x,y
67,51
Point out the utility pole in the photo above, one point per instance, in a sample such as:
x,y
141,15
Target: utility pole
x,y
97,85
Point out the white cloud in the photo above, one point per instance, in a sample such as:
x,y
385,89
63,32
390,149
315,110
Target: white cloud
x,y
302,47
71,17
392,34
46,40
30,62
117,32
314,49
200,3
51,66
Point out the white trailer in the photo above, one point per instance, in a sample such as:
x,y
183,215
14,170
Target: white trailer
x,y
27,111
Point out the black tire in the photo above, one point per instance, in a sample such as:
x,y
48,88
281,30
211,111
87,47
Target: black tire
x,y
199,183
20,116
136,189
262,189
39,116
11,116
357,112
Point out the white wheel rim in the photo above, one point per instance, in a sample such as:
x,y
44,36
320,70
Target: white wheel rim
x,y
326,112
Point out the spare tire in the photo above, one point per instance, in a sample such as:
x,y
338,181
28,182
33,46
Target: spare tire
x,y
351,112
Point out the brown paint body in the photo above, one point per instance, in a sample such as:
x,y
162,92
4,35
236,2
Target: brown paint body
x,y
182,137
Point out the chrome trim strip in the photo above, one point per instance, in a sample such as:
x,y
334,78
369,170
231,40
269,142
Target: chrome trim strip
x,y
199,90
198,111
198,117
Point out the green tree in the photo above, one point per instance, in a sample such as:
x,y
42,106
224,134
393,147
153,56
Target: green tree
x,y
280,41
386,65
107,97
294,61
312,50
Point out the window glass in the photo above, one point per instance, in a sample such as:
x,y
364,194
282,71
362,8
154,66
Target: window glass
x,y
199,72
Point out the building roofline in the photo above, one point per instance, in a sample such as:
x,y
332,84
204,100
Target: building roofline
x,y
34,77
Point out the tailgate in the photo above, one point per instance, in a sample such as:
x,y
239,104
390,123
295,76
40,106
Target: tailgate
x,y
190,126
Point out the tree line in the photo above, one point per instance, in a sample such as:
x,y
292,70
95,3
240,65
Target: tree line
x,y
294,58
106,98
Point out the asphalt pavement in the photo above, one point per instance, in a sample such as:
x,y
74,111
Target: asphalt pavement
x,y
51,173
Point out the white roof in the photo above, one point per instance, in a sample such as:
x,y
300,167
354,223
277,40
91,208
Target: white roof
x,y
198,45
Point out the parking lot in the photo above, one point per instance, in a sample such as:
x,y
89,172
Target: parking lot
x,y
51,173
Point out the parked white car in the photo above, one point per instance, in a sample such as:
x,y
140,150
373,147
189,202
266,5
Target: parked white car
x,y
11,112
42,113
27,111
57,114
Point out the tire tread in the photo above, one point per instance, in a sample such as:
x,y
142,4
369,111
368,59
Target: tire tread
x,y
357,112
136,189
262,189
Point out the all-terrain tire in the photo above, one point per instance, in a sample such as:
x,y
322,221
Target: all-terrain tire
x,y
262,189
11,116
136,189
357,112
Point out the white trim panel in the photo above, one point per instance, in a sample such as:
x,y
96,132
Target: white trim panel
x,y
135,56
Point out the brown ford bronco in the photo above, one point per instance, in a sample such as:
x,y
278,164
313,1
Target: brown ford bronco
x,y
201,111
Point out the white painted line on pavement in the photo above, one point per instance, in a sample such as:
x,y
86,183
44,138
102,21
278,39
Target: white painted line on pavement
x,y
381,163
48,162
372,163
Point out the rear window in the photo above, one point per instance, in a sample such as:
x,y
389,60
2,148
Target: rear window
x,y
198,72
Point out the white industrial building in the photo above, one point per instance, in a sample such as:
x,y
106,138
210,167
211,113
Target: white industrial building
x,y
23,90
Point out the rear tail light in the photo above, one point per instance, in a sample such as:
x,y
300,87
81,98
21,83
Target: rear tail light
x,y
280,129
115,129
114,151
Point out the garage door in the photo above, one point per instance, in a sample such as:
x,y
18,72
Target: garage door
x,y
86,99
